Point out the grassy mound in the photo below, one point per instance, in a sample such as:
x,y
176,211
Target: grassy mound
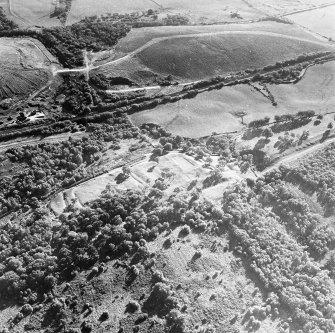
x,y
136,38
209,55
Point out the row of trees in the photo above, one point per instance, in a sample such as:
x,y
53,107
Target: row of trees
x,y
282,123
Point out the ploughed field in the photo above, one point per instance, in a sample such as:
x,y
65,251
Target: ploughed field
x,y
25,66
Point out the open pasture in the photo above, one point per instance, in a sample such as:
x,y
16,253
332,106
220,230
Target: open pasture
x,y
195,58
31,13
193,53
83,8
213,111
137,38
218,110
196,11
314,92
274,7
321,21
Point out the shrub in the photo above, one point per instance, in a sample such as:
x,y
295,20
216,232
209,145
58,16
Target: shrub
x,y
132,306
26,310
185,231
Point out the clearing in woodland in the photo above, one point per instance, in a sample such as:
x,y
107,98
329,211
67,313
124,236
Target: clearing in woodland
x,y
176,169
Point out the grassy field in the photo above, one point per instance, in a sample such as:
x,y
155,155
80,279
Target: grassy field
x,y
82,8
196,11
320,20
138,37
314,92
216,110
273,7
31,13
184,169
207,56
208,112
192,53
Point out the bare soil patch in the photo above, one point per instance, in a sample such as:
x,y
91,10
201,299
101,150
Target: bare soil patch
x,y
25,66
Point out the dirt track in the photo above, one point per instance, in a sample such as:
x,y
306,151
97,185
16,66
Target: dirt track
x,y
296,155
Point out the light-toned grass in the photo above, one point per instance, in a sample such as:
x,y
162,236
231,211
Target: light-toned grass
x,y
184,170
208,112
83,8
275,7
143,174
314,92
196,11
138,37
216,111
32,12
320,20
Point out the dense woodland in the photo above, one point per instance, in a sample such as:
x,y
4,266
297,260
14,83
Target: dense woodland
x,y
317,175
49,167
283,265
68,43
282,244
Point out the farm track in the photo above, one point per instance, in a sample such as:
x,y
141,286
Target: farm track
x,y
12,13
307,9
298,154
